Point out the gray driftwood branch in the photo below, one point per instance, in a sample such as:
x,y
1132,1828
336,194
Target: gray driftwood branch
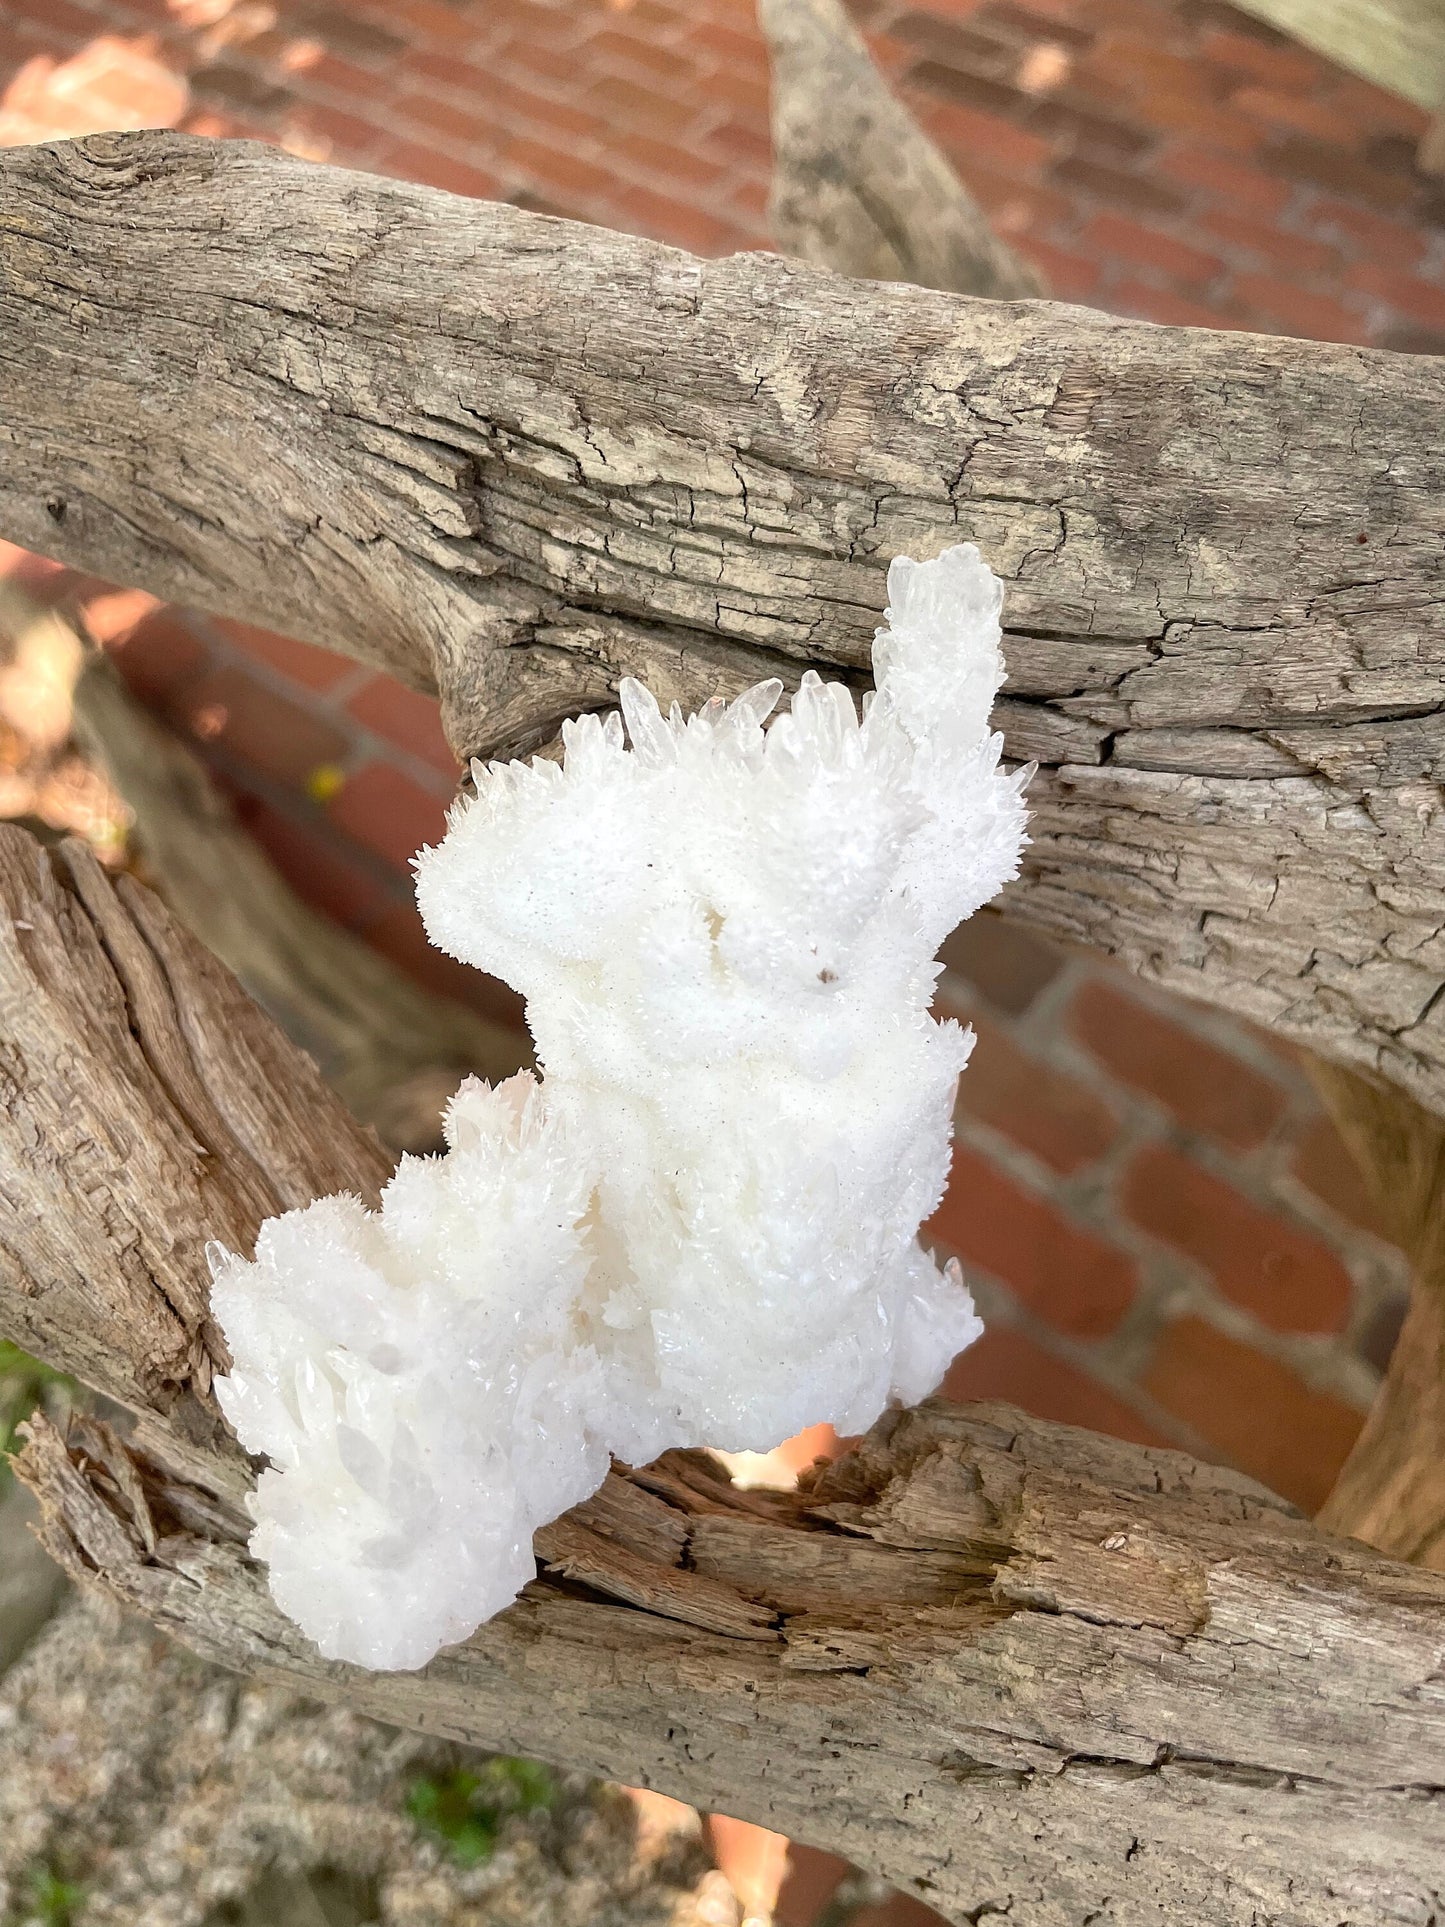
x,y
1006,1665
857,185
513,459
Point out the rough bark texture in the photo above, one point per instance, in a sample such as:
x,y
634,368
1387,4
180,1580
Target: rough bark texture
x,y
1391,1492
857,185
1004,1664
514,458
146,1107
1008,1666
393,1052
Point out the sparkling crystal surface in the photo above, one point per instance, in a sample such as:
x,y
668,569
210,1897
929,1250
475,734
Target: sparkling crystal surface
x,y
700,1226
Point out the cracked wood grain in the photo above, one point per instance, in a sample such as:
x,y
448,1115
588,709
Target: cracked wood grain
x,y
146,1108
1011,1667
1086,1682
514,459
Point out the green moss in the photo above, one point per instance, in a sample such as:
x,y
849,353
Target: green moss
x,y
466,1808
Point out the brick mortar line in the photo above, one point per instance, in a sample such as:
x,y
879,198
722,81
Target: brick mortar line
x,y
386,120
1173,1284
1171,1277
328,705
721,200
595,152
1224,1033
1046,1021
1321,1361
585,146
294,806
1000,1309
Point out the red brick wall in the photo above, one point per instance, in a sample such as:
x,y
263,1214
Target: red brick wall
x,y
1167,1239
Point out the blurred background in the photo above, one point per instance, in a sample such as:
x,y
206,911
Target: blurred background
x,y
1166,1237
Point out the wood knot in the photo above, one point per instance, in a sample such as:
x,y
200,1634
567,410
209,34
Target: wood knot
x,y
115,162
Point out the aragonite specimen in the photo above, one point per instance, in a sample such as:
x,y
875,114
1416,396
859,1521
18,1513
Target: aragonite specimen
x,y
701,1226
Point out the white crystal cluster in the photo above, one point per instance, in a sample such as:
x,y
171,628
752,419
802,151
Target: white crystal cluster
x,y
700,1226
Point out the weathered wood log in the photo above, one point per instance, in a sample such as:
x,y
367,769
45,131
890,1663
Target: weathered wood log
x,y
1008,1666
134,1064
857,185
1004,1664
1391,1492
392,1051
513,459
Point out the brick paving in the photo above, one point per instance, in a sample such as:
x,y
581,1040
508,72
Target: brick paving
x,y
1168,1239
